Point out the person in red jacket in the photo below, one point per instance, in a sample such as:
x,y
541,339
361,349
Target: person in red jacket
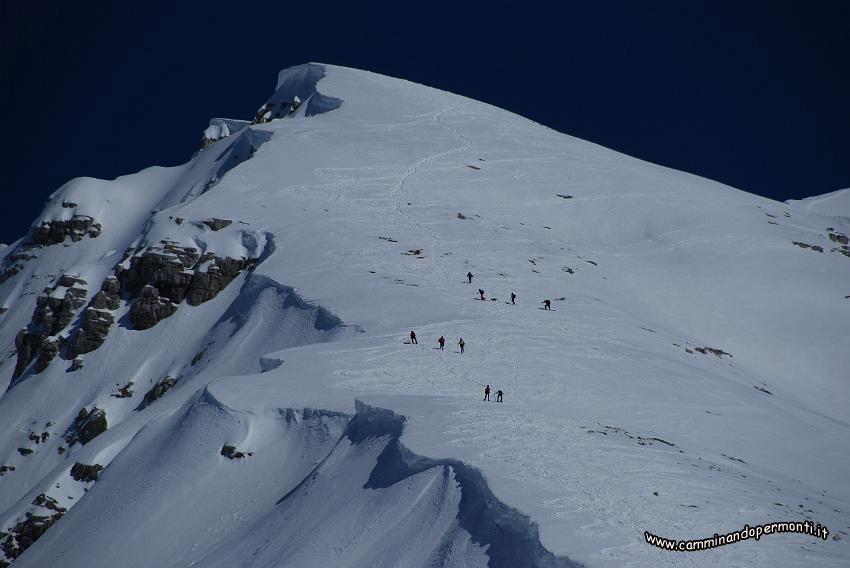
x,y
487,392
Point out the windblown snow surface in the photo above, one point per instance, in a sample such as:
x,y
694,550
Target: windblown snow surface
x,y
691,377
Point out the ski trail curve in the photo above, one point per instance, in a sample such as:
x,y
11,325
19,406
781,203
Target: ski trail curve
x,y
399,191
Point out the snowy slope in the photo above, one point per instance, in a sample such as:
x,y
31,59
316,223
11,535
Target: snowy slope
x,y
690,378
835,204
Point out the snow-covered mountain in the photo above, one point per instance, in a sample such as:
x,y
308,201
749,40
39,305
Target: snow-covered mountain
x,y
209,365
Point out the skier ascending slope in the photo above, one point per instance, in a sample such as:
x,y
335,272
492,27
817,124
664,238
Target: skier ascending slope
x,y
487,392
481,293
469,277
413,338
442,342
461,344
547,305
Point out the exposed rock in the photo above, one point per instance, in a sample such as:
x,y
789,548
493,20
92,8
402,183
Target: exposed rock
x,y
24,451
86,426
49,349
55,232
94,327
149,308
198,356
167,268
808,246
157,391
77,364
51,315
125,392
108,298
839,238
162,277
219,273
216,224
5,468
26,532
97,321
706,350
69,204
86,473
230,453
9,272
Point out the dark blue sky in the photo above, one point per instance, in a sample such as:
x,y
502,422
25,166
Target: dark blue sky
x,y
753,94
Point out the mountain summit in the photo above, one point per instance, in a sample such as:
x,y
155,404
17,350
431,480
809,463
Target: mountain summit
x,y
210,364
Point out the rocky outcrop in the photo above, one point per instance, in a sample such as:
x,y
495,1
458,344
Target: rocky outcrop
x,y
86,473
231,453
161,277
206,284
157,391
26,532
839,238
55,232
88,425
53,312
97,319
719,353
125,392
167,268
217,224
150,308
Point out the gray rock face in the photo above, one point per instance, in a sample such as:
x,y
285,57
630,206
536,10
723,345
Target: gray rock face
x,y
86,473
97,320
26,532
149,308
86,426
109,297
167,268
52,314
162,277
49,349
55,232
157,391
206,285
231,453
217,224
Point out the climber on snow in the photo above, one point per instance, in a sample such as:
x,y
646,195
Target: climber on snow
x,y
513,298
547,305
487,392
442,342
413,338
461,344
498,396
481,293
469,277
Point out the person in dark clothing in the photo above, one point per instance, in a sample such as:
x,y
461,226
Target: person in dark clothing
x,y
487,392
461,344
481,293
469,277
547,305
413,338
513,298
498,396
442,342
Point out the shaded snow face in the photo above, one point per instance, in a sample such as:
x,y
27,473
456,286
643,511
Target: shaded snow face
x,y
301,82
